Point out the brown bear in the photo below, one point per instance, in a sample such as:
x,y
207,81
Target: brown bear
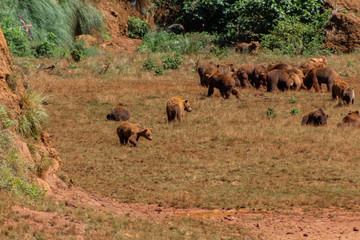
x,y
297,71
256,79
119,113
206,68
225,83
316,76
317,118
175,107
243,78
129,132
348,96
351,119
277,79
245,74
225,68
280,66
250,48
295,82
339,88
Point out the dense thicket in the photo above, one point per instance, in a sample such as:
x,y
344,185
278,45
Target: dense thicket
x,y
248,20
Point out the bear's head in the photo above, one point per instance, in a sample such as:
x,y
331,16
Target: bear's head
x,y
187,106
146,133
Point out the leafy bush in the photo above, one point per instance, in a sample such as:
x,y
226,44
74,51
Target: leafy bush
x,y
137,28
149,64
159,70
47,48
293,37
16,37
34,116
295,111
172,62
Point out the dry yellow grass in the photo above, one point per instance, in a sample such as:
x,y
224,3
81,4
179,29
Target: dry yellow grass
x,y
225,154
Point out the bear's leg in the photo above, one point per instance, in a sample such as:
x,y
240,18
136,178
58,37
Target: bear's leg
x,y
317,86
329,86
179,116
122,140
235,92
210,91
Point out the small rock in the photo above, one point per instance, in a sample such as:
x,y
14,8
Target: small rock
x,y
305,235
355,229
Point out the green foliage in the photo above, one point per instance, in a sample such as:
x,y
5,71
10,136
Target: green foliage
x,y
294,111
13,169
293,37
293,100
80,52
137,27
270,113
165,42
16,37
159,70
47,48
5,122
172,62
149,64
64,19
34,116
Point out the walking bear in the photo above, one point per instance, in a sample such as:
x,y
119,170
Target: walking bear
x,y
130,132
175,107
224,82
351,119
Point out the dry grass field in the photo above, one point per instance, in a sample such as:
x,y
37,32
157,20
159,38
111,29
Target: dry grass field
x,y
226,154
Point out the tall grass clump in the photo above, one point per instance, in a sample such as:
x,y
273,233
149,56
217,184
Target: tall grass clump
x,y
13,169
137,27
64,20
34,116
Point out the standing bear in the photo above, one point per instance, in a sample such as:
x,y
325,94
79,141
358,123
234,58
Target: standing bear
x,y
175,107
119,113
130,132
342,91
316,76
224,82
277,79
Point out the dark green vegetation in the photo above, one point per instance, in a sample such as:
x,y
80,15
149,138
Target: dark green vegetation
x,y
272,20
54,25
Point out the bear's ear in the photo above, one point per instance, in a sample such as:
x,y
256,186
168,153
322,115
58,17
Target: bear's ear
x,y
186,101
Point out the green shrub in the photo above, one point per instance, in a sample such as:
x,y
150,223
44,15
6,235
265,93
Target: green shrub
x,y
159,70
149,64
137,28
293,37
271,113
172,62
16,37
34,117
47,48
80,52
294,111
293,100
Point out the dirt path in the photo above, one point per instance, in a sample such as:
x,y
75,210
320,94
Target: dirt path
x,y
293,224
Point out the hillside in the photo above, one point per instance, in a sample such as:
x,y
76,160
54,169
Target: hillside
x,y
226,172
